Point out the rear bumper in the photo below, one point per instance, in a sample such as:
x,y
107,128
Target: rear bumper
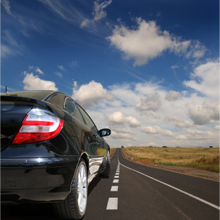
x,y
36,179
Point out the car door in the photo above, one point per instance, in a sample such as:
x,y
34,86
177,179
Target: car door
x,y
95,148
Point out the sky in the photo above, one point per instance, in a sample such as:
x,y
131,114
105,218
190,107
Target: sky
x,y
148,70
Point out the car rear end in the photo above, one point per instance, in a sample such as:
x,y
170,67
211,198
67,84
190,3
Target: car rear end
x,y
33,164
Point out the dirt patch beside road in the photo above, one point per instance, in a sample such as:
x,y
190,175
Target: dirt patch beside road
x,y
178,169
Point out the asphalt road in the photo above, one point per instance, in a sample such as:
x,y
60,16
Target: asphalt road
x,y
135,191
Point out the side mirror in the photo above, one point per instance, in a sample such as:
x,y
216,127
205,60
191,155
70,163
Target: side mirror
x,y
104,132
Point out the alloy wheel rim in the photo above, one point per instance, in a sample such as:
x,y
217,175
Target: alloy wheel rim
x,y
82,189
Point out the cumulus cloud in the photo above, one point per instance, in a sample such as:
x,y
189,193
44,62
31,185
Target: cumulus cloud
x,y
148,41
206,113
205,79
118,135
98,13
172,96
151,103
143,44
32,82
179,123
156,130
90,94
194,134
151,114
123,130
118,118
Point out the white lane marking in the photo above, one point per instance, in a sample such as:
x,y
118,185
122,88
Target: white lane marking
x,y
115,181
112,204
114,189
179,190
116,177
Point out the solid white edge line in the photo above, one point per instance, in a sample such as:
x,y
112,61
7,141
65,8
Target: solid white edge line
x,y
179,190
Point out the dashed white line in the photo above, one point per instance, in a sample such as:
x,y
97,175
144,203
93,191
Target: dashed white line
x,y
114,189
115,181
116,177
112,204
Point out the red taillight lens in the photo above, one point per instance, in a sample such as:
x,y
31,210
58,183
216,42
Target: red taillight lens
x,y
38,125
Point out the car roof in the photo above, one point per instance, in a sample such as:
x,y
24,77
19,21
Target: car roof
x,y
38,94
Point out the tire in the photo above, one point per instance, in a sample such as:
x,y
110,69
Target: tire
x,y
107,170
74,206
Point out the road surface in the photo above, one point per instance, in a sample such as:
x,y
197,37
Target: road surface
x,y
134,191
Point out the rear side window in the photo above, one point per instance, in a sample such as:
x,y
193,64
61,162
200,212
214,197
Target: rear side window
x,y
73,110
88,120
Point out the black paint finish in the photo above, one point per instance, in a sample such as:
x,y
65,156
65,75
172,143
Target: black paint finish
x,y
43,172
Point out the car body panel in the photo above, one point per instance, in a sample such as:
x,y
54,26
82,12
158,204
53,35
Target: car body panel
x,y
44,171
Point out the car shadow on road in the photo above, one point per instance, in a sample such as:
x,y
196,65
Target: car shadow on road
x,y
34,211
93,184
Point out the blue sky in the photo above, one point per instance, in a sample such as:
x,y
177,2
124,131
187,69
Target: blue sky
x,y
149,70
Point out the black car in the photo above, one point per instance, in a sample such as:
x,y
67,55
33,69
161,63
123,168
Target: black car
x,y
50,151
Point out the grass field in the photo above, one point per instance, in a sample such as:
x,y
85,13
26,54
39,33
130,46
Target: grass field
x,y
112,151
202,158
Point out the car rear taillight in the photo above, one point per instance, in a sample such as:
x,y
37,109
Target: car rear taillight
x,y
38,125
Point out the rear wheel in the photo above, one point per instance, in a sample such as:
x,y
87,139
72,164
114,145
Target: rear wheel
x,y
106,172
74,206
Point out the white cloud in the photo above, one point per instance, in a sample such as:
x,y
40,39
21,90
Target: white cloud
x,y
206,113
118,135
65,10
205,79
32,82
194,134
38,70
151,114
98,13
9,46
73,64
179,123
119,119
7,6
123,130
60,75
151,103
162,122
156,130
217,127
61,68
147,42
172,95
6,51
143,44
90,94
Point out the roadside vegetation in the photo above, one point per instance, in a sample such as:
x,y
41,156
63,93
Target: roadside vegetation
x,y
112,151
202,158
